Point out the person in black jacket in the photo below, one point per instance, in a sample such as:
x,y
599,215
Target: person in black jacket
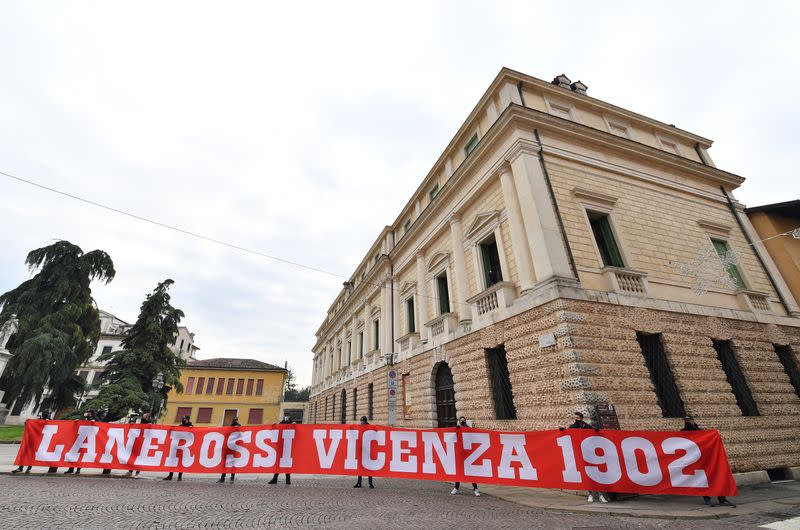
x,y
144,420
690,425
185,422
579,423
89,415
234,423
274,480
462,422
369,479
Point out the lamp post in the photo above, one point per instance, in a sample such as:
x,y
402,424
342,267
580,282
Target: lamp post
x,y
391,382
157,385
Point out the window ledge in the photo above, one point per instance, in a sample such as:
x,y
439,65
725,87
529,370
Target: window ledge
x,y
626,281
499,295
408,341
755,301
444,324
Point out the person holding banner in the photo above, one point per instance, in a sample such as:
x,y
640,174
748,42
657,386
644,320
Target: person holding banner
x,y
690,425
274,480
234,423
364,421
144,420
185,422
462,422
579,423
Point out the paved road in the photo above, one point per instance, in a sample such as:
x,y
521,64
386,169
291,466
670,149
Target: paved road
x,y
330,502
89,501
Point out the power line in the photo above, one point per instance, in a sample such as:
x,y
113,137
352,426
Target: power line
x,y
193,234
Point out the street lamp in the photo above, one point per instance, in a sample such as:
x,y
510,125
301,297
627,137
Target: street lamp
x,y
157,385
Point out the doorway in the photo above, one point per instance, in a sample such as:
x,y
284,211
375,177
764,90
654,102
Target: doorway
x,y
445,397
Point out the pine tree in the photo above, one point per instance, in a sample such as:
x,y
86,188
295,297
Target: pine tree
x,y
146,353
58,324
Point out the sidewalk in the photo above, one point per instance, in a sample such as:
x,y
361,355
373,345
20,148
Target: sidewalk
x,y
777,497
765,498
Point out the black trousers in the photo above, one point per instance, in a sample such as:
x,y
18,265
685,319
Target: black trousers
x,y
458,484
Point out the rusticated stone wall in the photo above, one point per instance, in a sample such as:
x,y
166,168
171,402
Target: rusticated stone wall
x,y
596,359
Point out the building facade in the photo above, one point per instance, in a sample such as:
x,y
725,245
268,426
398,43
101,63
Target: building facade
x,y
217,390
778,228
112,333
562,253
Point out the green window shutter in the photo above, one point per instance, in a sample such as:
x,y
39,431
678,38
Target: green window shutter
x,y
611,244
733,271
410,315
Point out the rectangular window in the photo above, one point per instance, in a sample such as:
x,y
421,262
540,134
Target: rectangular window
x,y
249,390
410,315
667,393
360,344
240,387
255,417
204,414
260,387
189,385
726,256
349,352
201,382
231,382
376,334
434,191
406,396
180,412
407,226
604,237
369,401
789,363
106,349
492,272
355,403
343,418
733,371
333,407
220,385
84,374
500,382
444,295
326,409
210,387
471,145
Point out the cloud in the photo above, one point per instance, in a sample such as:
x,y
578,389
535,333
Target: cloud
x,y
300,130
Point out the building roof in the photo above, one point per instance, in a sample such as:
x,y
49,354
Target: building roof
x,y
228,363
788,208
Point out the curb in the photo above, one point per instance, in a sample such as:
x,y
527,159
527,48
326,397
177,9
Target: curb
x,y
63,475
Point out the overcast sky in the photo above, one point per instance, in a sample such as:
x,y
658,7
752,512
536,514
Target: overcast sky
x,y
300,129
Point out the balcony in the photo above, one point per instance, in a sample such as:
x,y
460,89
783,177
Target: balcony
x,y
626,281
499,296
408,342
754,301
443,325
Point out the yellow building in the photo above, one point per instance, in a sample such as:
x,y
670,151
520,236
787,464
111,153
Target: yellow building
x,y
216,390
770,221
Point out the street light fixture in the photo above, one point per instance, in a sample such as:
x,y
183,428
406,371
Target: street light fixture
x,y
157,385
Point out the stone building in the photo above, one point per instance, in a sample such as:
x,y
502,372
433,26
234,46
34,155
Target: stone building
x,y
561,253
112,333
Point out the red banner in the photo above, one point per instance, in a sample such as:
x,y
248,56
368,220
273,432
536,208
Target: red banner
x,y
651,462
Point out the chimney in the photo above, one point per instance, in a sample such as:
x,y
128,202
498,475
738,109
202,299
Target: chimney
x,y
579,87
562,81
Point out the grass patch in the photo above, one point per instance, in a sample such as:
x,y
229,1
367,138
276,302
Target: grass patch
x,y
11,433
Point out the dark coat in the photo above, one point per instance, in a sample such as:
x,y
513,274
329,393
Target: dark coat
x,y
580,424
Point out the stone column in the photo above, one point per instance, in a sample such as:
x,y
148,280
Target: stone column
x,y
422,298
522,253
550,258
386,319
367,330
459,268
